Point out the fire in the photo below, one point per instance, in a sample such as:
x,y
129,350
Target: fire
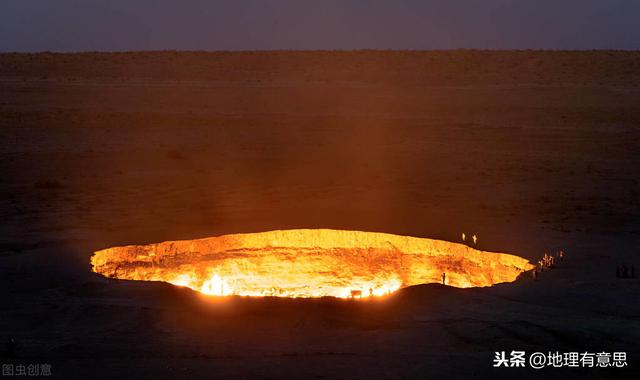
x,y
308,263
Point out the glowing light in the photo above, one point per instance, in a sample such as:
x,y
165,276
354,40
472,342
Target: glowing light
x,y
216,286
308,263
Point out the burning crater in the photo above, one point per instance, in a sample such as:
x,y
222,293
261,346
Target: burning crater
x,y
308,263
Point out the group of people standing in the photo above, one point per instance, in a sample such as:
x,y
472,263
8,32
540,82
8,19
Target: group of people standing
x,y
474,238
622,271
547,262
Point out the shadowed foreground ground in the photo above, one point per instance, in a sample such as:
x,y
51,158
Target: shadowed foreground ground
x,y
532,151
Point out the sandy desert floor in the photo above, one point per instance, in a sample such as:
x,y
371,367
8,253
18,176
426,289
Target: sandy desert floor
x,y
532,151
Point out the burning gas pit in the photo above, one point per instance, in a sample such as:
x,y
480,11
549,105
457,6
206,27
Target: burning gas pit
x,y
308,263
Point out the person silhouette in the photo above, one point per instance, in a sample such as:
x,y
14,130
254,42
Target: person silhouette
x,y
444,278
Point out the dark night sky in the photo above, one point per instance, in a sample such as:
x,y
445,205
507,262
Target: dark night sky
x,y
80,25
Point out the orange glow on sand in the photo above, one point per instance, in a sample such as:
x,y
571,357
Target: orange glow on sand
x,y
308,263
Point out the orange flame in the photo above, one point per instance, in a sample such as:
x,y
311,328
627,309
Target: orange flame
x,y
308,263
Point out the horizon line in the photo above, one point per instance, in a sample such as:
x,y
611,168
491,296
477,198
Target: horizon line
x,y
355,50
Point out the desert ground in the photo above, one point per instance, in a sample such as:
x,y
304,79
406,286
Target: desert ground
x,y
532,151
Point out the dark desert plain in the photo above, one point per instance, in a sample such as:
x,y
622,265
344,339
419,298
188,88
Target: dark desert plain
x,y
533,151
